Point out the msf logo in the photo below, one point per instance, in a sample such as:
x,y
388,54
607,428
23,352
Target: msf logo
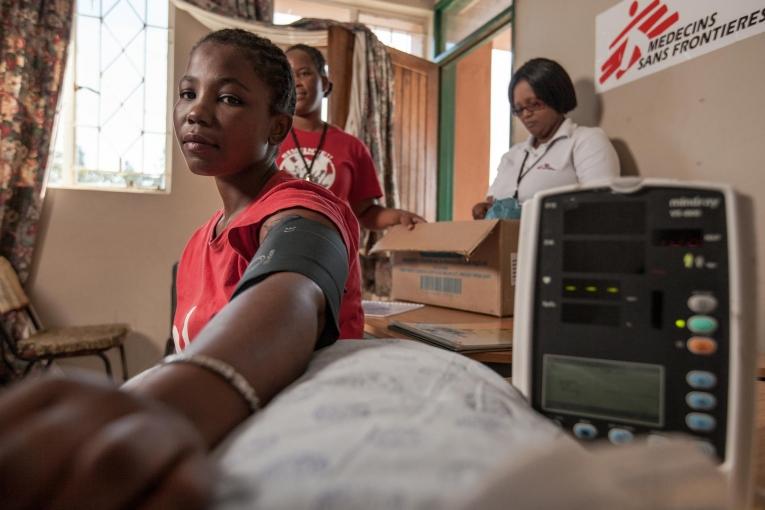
x,y
647,24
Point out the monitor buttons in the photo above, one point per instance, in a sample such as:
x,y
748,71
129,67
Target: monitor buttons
x,y
700,422
701,400
701,379
702,303
702,324
585,430
620,436
701,345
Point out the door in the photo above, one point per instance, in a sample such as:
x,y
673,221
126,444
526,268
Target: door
x,y
415,132
415,118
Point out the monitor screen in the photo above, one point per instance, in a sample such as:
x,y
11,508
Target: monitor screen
x,y
615,390
604,256
615,217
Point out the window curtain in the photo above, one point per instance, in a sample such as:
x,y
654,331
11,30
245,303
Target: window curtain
x,y
255,10
33,45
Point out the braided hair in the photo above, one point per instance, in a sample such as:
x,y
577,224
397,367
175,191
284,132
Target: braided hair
x,y
268,61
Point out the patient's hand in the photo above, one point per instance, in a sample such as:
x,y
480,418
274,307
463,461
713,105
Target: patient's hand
x,y
82,443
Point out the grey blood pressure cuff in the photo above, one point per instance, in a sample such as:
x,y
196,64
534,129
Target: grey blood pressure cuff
x,y
300,245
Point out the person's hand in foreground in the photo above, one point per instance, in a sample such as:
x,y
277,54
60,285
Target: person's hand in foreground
x,y
82,443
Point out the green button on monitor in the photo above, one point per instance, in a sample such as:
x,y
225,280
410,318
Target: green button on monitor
x,y
702,324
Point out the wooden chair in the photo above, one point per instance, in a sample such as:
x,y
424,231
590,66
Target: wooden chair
x,y
46,345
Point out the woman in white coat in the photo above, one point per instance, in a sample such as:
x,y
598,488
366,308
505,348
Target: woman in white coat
x,y
557,153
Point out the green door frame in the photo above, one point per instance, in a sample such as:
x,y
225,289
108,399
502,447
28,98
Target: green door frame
x,y
445,199
447,61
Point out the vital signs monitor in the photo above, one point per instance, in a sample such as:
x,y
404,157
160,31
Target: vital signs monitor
x,y
632,315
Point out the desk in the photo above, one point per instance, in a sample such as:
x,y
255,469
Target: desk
x,y
378,327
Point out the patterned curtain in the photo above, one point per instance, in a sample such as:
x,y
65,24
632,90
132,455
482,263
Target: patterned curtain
x,y
34,36
257,10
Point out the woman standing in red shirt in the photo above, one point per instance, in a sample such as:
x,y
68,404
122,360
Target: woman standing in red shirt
x,y
324,154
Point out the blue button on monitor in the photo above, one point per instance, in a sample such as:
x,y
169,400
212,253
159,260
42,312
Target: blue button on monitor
x,y
701,379
620,436
701,400
700,422
702,324
585,431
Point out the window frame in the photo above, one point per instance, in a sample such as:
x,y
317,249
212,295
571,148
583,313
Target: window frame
x,y
447,61
479,35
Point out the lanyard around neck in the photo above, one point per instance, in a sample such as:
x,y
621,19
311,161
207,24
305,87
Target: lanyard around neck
x,y
309,168
522,174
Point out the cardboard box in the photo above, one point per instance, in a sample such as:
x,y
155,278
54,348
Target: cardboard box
x,y
468,265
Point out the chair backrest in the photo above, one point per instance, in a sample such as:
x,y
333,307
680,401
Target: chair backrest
x,y
12,295
18,318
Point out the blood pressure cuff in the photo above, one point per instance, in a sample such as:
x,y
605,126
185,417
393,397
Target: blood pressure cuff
x,y
300,245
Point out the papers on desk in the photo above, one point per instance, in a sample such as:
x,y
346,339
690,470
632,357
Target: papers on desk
x,y
464,337
387,308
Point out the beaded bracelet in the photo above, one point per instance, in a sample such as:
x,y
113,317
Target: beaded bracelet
x,y
222,369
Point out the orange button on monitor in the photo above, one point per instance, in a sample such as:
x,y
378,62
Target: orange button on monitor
x,y
701,345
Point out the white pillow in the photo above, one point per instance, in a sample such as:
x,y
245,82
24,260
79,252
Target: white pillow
x,y
379,424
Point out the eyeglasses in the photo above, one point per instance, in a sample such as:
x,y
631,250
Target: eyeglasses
x,y
533,106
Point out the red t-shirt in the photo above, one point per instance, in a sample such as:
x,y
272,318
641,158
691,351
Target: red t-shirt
x,y
344,165
210,268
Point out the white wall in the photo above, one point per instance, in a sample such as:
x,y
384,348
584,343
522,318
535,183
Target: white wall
x,y
698,120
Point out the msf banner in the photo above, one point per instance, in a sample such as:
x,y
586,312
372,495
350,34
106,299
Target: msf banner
x,y
636,38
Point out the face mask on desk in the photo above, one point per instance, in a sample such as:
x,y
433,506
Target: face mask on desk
x,y
504,209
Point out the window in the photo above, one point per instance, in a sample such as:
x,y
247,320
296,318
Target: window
x,y
398,26
112,121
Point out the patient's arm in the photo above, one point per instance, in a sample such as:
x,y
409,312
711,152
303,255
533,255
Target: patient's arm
x,y
63,442
267,333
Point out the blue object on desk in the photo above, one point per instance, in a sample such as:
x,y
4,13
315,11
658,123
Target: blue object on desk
x,y
504,209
